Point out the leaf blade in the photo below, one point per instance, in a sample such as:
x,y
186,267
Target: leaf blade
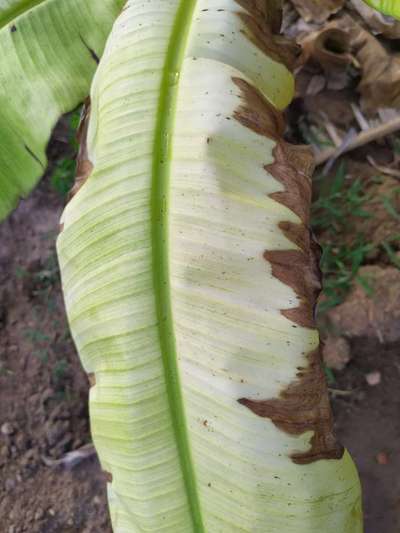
x,y
388,7
47,71
233,339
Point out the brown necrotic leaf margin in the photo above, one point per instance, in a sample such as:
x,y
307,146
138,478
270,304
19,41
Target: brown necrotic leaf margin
x,y
84,166
304,405
262,23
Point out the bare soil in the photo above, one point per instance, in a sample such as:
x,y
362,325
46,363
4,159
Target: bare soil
x,y
368,424
43,390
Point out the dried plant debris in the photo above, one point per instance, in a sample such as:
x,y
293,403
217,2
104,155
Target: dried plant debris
x,y
329,47
317,11
329,50
343,43
380,69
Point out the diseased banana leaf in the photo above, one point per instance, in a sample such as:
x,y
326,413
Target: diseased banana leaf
x,y
190,279
388,7
49,51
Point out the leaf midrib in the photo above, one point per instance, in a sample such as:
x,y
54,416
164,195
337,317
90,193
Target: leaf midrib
x,y
11,14
162,154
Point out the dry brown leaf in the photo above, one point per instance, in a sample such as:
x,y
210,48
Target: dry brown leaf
x,y
344,41
317,10
328,50
380,82
329,47
379,24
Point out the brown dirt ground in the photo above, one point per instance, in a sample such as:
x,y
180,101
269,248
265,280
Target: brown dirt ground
x,y
43,390
368,424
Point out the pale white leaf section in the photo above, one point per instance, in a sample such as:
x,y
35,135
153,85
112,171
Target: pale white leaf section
x,y
105,252
232,340
220,34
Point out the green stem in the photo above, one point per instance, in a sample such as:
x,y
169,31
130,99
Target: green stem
x,y
160,237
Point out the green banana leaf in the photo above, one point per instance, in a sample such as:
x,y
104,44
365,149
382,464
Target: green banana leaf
x,y
388,7
49,51
190,278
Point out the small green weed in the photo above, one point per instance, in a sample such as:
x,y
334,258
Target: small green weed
x,y
387,203
314,135
59,370
340,201
36,336
63,175
42,355
21,272
395,141
391,252
329,375
340,265
48,275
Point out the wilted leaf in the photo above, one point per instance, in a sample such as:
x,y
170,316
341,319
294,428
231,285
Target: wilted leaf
x,y
380,69
343,41
329,47
190,279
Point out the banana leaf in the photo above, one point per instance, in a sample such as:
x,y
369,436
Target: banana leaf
x,y
190,280
49,52
388,7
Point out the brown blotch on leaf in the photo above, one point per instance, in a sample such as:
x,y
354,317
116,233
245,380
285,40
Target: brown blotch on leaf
x,y
84,166
304,405
108,476
262,23
92,379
